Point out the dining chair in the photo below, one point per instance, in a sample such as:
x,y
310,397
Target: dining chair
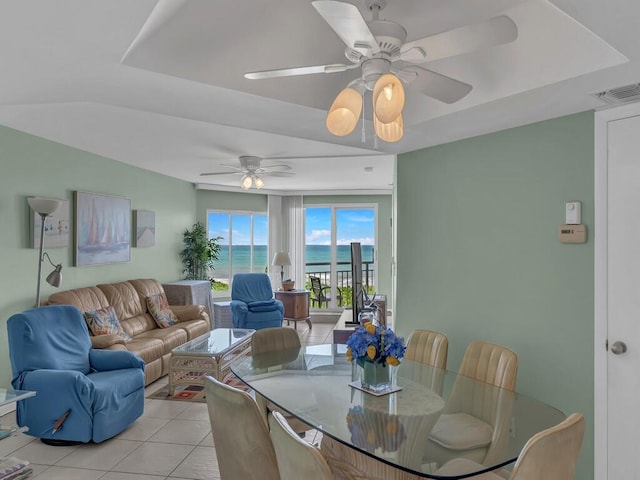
x,y
243,445
429,347
427,351
276,345
551,454
296,458
476,418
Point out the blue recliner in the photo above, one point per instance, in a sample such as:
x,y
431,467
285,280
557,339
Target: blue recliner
x,y
252,302
51,354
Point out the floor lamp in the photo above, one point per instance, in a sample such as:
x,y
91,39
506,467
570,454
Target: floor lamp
x,y
45,207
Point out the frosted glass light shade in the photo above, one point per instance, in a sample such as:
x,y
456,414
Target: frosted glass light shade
x,y
388,98
246,182
258,183
344,112
44,206
389,132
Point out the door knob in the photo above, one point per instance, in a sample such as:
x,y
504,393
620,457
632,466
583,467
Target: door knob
x,y
618,347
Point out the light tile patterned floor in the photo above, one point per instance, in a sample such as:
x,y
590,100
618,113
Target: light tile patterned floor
x,y
172,441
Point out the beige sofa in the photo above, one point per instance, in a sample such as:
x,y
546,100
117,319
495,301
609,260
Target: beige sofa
x,y
151,343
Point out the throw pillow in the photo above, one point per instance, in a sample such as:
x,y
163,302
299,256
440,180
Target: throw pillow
x,y
105,321
159,309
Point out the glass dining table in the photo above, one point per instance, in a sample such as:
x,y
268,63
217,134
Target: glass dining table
x,y
418,431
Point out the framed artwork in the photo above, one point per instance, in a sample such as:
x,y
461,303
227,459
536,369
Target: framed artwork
x,y
57,228
144,228
103,229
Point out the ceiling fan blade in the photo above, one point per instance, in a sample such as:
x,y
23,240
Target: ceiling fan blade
x,y
278,174
276,167
207,174
436,85
346,20
290,72
495,31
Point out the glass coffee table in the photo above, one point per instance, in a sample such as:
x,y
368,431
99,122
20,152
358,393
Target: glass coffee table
x,y
209,354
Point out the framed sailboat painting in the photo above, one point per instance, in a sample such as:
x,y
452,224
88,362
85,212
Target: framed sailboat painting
x,y
103,229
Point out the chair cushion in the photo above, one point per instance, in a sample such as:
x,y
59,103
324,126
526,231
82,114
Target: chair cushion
x,y
159,308
104,321
461,431
263,305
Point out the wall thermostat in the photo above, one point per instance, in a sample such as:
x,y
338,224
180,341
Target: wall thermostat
x,y
570,233
572,213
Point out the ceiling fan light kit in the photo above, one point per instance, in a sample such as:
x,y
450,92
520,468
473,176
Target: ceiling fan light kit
x,y
374,46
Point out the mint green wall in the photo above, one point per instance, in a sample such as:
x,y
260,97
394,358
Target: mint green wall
x,y
31,166
384,247
478,255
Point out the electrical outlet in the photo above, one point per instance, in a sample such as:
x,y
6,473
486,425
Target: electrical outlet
x,y
512,428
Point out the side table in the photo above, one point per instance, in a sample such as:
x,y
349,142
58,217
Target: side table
x,y
191,292
296,306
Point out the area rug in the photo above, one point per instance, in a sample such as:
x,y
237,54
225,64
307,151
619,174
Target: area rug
x,y
193,393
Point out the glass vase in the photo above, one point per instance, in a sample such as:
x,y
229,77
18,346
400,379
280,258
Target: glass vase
x,y
375,377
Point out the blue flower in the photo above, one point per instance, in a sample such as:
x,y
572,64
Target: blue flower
x,y
387,347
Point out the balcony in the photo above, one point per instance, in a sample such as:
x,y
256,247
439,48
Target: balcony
x,y
322,270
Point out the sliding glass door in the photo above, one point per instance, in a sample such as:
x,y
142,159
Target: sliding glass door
x,y
329,231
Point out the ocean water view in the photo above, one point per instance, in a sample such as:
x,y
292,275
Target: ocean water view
x,y
314,254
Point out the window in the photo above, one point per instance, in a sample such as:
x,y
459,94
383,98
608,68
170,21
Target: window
x,y
329,231
243,245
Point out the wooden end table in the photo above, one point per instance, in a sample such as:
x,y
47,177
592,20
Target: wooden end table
x,y
296,306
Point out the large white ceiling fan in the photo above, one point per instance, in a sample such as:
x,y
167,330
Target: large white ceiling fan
x,y
379,48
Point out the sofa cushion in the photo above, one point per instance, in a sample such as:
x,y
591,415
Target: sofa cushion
x,y
104,321
195,328
148,349
171,337
84,299
125,299
159,309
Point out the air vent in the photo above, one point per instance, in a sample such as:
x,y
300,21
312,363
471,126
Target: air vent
x,y
626,94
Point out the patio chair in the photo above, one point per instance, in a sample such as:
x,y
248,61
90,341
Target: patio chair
x,y
319,296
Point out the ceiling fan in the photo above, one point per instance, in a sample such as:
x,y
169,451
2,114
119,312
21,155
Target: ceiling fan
x,y
252,171
387,61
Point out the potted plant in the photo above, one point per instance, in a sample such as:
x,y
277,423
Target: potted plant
x,y
199,252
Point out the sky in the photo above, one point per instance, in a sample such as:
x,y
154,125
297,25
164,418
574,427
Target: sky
x,y
353,225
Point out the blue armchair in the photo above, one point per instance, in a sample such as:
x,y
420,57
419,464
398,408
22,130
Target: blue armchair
x,y
252,302
51,354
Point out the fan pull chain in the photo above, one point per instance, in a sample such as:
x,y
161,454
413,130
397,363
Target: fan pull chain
x,y
364,135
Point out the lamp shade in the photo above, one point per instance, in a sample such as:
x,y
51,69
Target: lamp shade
x,y
344,112
389,132
246,182
388,98
55,278
281,259
44,206
258,183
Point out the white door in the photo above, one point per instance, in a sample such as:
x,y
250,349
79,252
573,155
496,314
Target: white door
x,y
618,301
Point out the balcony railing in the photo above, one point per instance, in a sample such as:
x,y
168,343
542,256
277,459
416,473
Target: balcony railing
x,y
344,280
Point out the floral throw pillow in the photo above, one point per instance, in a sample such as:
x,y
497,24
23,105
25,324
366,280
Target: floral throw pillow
x,y
160,311
105,321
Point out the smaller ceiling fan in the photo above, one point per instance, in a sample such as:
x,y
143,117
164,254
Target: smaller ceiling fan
x,y
252,172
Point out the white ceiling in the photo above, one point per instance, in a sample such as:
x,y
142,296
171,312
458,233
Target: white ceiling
x,y
159,84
